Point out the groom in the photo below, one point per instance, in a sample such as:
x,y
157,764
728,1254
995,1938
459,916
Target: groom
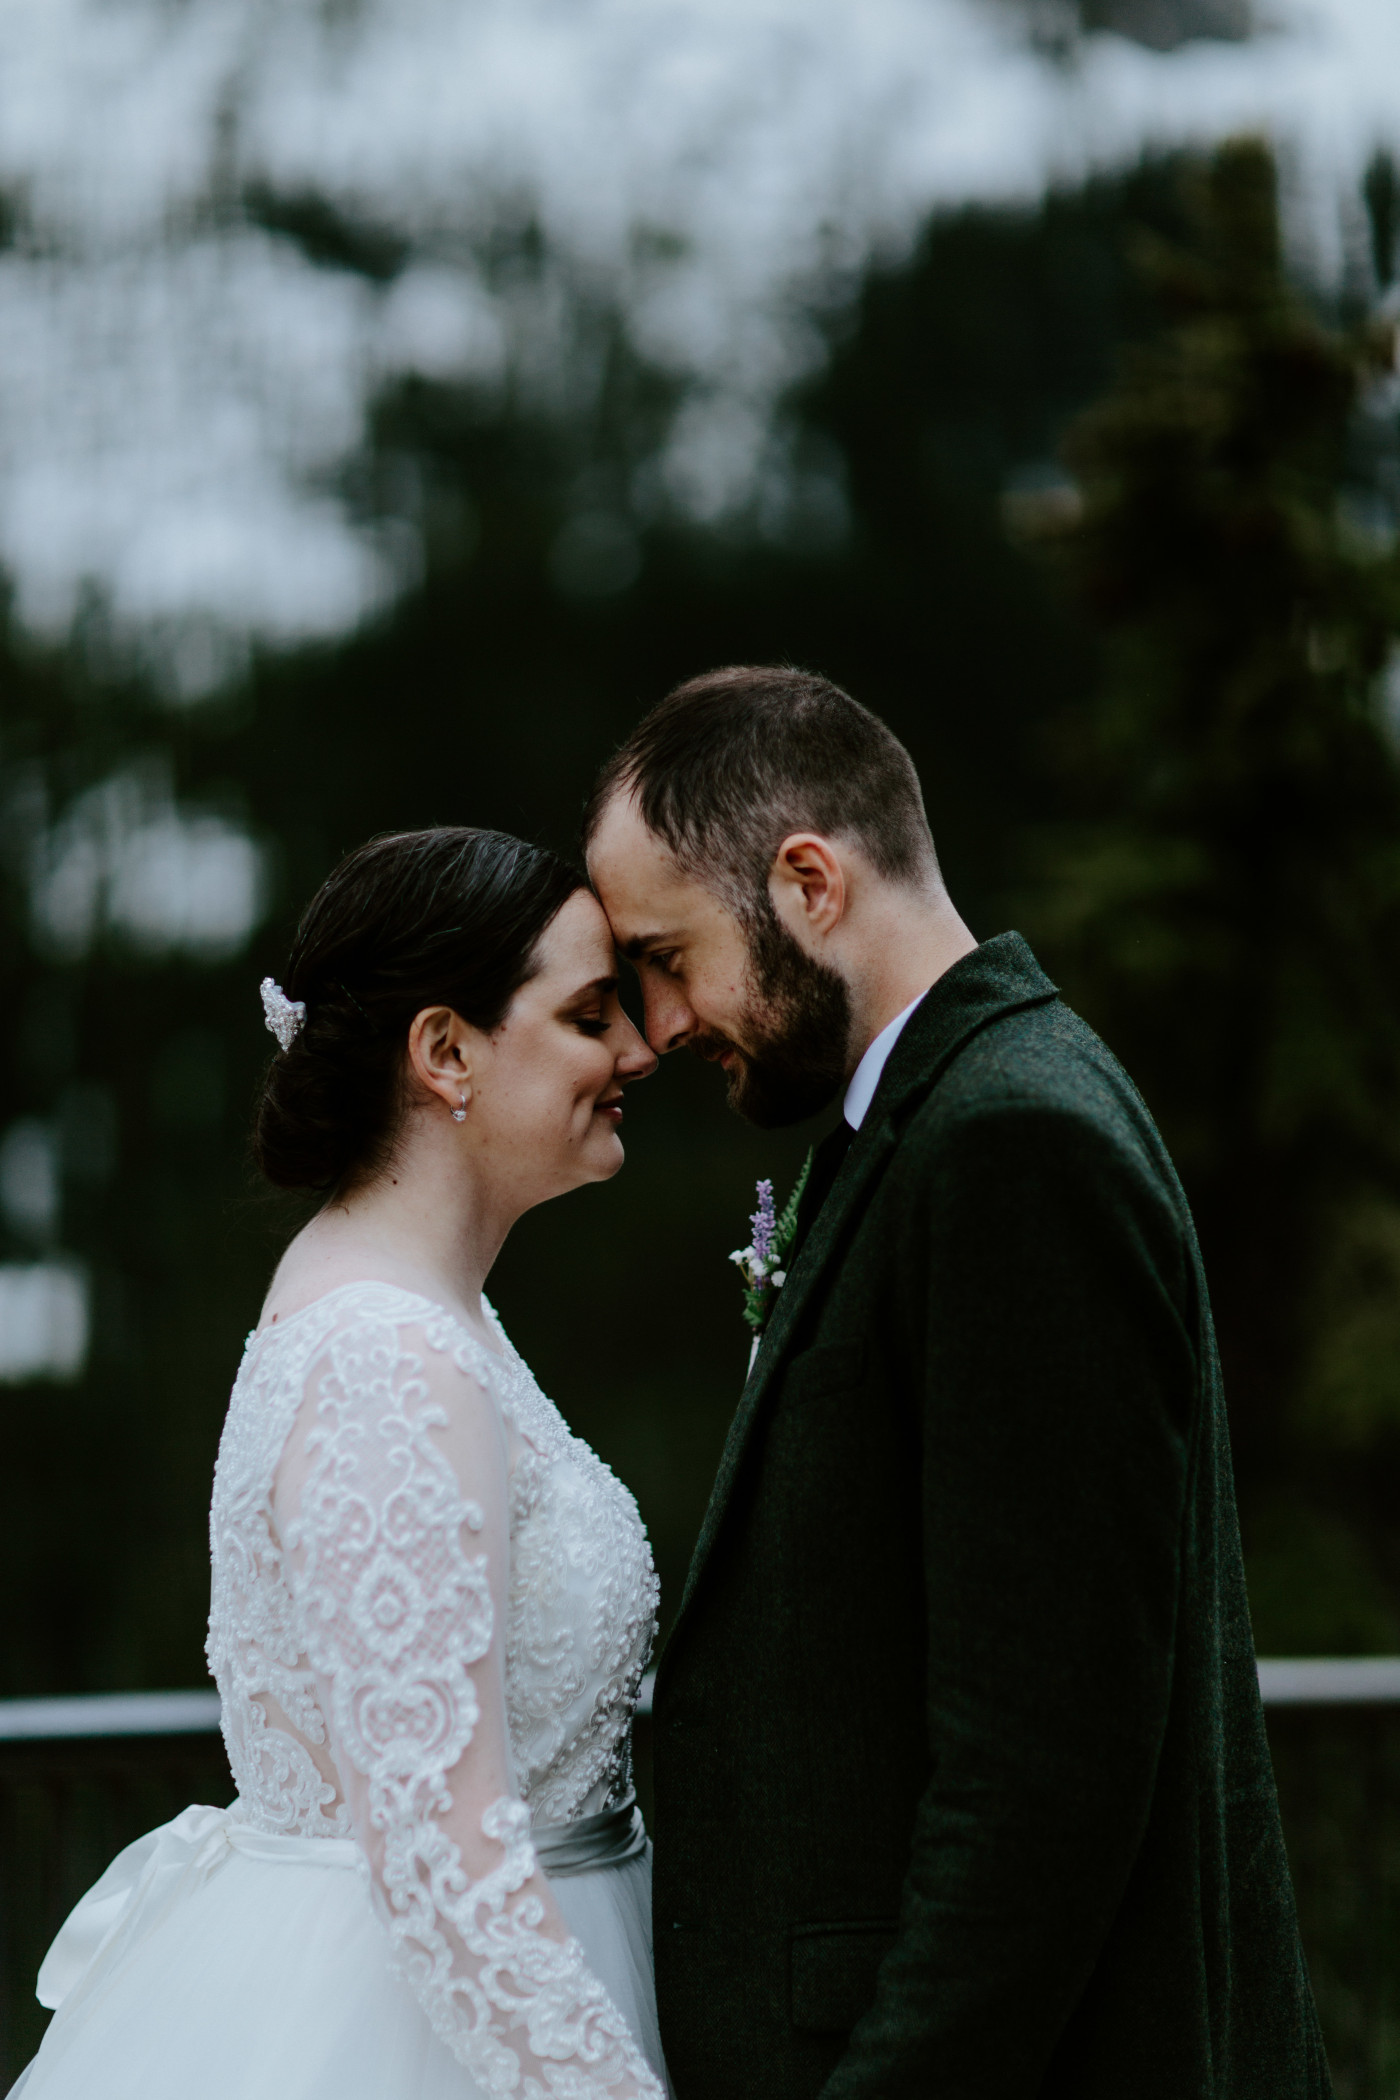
x,y
962,1788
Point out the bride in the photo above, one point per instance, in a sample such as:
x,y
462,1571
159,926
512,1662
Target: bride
x,y
432,1605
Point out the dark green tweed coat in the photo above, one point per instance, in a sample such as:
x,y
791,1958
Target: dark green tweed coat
x,y
962,1788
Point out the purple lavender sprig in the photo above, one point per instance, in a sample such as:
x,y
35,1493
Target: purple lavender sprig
x,y
764,1222
763,1263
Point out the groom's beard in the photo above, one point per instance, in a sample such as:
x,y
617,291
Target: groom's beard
x,y
796,1033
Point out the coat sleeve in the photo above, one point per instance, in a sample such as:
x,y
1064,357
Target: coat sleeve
x,y
1041,1276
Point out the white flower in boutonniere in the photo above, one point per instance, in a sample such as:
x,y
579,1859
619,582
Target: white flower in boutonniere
x,y
764,1261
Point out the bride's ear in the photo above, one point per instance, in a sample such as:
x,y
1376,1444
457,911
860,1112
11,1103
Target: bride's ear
x,y
439,1056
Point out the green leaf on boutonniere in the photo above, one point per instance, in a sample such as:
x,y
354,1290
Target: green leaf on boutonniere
x,y
763,1263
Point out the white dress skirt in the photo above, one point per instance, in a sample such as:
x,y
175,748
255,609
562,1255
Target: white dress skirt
x,y
213,1963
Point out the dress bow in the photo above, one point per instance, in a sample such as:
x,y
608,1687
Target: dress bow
x,y
140,1882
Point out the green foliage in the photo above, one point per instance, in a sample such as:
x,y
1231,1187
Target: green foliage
x,y
488,695
1228,900
1314,1584
1222,898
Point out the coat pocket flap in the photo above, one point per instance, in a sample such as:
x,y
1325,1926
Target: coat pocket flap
x,y
833,1973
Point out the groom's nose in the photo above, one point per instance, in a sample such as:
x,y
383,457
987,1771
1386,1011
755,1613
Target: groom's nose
x,y
670,1019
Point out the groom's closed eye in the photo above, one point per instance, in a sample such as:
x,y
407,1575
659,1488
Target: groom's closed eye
x,y
649,948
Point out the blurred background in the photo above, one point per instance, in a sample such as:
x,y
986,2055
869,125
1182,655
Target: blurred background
x,y
397,396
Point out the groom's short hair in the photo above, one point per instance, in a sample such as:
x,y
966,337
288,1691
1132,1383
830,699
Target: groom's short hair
x,y
729,764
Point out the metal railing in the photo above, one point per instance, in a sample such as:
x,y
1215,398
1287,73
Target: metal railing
x,y
80,1778
1352,1680
108,1714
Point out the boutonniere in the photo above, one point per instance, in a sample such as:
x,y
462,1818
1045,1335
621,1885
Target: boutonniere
x,y
763,1263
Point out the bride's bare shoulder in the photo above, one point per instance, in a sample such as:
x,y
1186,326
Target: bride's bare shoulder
x,y
319,1262
313,1264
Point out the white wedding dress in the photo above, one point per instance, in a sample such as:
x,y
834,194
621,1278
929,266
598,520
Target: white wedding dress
x,y
432,1607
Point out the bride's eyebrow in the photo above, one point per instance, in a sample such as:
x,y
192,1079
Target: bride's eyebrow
x,y
598,987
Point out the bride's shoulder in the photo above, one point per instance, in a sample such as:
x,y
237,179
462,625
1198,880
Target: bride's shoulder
x,y
304,1317
316,1299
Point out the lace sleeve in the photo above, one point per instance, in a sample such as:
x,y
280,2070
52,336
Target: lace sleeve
x,y
391,1500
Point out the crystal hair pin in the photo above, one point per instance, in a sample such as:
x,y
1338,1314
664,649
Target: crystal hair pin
x,y
284,1016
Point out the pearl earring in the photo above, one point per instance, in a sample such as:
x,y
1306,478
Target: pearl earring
x,y
459,1115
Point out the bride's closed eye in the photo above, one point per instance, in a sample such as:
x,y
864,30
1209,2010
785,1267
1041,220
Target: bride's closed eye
x,y
592,1024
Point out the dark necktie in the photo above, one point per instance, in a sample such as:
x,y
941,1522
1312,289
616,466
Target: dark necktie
x,y
826,1165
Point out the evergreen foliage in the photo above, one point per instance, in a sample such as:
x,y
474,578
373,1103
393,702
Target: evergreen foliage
x,y
489,694
1223,897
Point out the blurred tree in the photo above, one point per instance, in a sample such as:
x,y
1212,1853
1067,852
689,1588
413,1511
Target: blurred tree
x,y
556,602
1223,898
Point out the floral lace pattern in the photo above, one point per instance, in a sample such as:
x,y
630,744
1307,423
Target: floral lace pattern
x,y
390,1499
254,1648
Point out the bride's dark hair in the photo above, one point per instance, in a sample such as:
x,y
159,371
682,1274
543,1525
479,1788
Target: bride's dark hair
x,y
448,917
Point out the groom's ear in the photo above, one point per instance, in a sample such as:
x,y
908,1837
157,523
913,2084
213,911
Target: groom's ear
x,y
807,885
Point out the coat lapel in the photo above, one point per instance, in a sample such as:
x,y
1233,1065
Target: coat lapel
x,y
998,978
860,1171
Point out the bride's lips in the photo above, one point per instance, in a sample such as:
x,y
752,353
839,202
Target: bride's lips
x,y
611,1108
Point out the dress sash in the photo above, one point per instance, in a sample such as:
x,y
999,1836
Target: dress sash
x,y
607,1840
152,1875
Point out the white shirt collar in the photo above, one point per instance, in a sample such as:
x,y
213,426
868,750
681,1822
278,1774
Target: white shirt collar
x,y
861,1091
